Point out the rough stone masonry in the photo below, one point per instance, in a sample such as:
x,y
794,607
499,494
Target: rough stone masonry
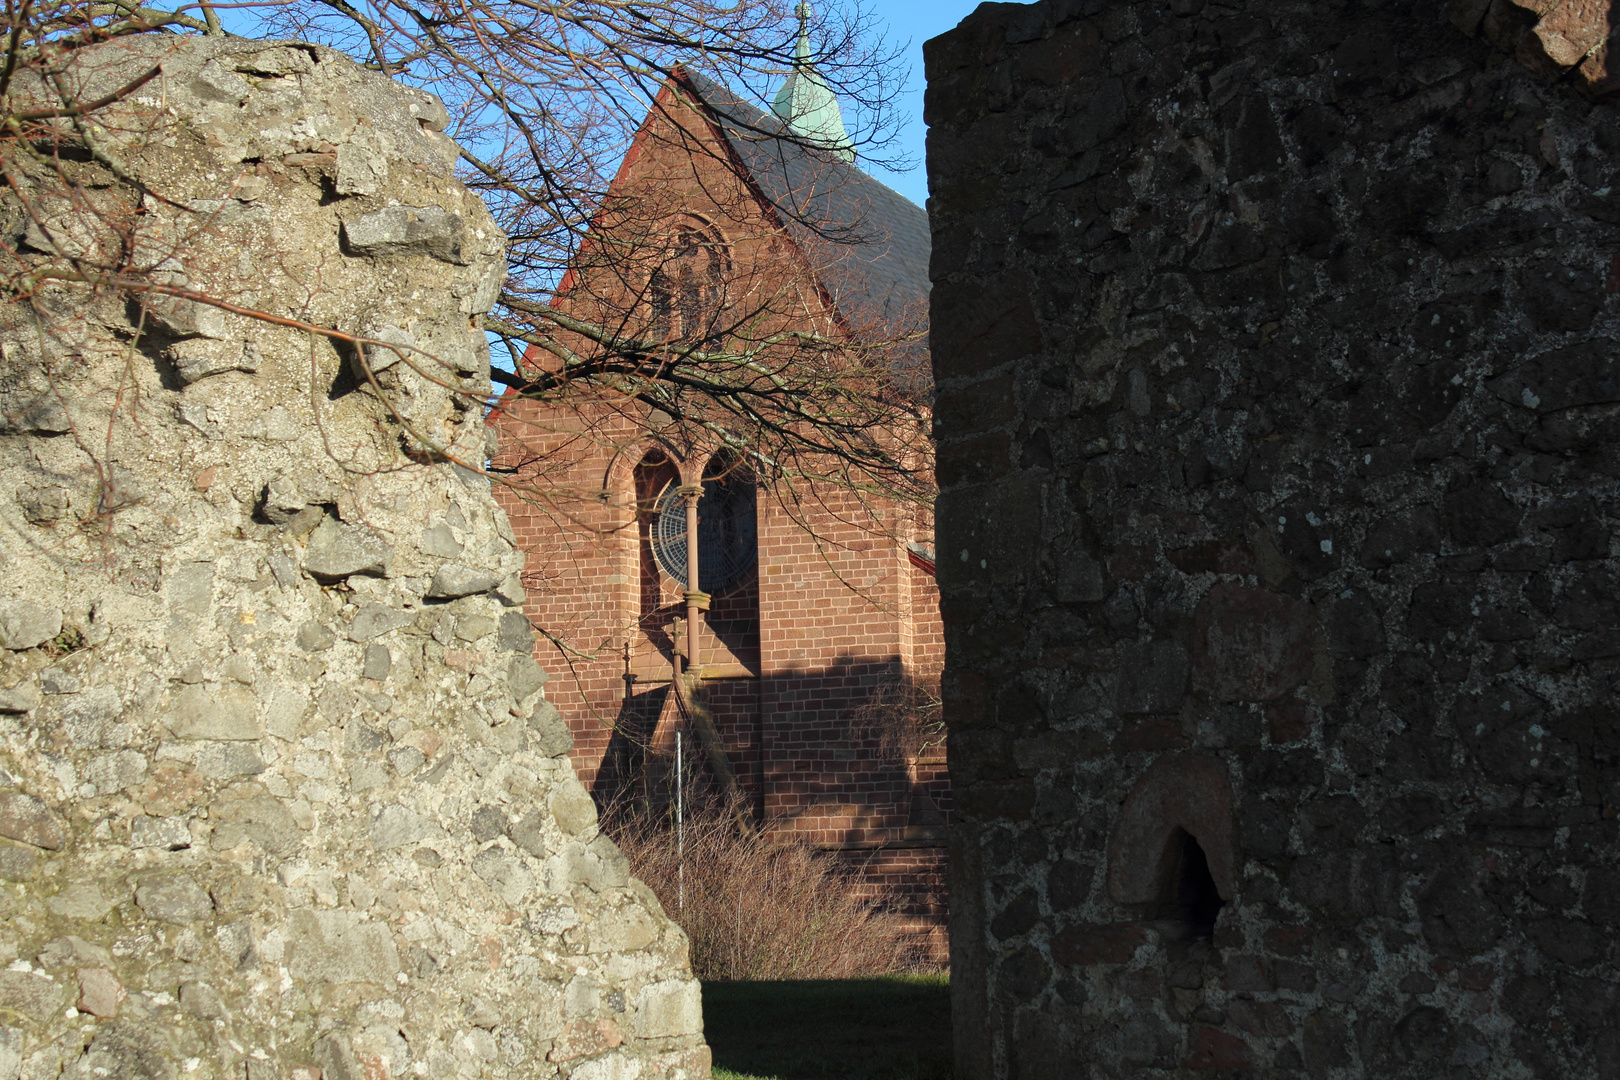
x,y
1278,444
280,792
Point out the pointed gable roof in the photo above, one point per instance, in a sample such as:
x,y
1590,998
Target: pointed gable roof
x,y
868,243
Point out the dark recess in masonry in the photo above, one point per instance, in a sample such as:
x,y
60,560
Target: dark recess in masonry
x,y
1189,896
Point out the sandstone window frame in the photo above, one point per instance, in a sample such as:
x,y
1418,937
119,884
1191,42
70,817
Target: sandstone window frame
x,y
689,287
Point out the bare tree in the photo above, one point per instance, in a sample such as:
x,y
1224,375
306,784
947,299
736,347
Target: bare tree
x,y
546,98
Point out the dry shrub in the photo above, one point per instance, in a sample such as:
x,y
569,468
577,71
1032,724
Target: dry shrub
x,y
757,909
906,718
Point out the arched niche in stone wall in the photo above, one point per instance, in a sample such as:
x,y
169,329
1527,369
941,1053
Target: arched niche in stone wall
x,y
1173,850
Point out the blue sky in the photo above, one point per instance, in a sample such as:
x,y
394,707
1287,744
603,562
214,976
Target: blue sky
x,y
907,20
917,20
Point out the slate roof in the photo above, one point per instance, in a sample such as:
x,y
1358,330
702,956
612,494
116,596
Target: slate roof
x,y
869,243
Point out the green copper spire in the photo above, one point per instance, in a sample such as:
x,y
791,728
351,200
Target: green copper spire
x,y
807,104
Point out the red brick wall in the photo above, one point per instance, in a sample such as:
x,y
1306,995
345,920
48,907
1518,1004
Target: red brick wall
x,y
834,609
908,883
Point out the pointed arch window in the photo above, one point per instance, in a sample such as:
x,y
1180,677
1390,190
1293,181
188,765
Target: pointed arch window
x,y
688,288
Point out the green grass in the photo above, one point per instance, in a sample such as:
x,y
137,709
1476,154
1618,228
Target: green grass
x,y
895,1027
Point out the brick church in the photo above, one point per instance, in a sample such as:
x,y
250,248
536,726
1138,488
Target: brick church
x,y
814,617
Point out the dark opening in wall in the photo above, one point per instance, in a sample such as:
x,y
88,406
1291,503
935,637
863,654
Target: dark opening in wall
x,y
1189,896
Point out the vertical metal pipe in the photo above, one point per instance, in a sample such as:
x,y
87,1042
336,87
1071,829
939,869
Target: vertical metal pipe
x,y
680,830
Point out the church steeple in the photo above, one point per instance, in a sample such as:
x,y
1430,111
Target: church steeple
x,y
807,104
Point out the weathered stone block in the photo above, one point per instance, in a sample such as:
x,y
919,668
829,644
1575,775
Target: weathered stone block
x,y
18,699
375,620
174,898
395,826
246,812
407,230
664,1009
25,818
169,834
216,712
549,730
24,625
337,551
99,993
456,579
1250,644
440,542
1085,945
31,995
340,947
378,662
572,807
1151,678
525,677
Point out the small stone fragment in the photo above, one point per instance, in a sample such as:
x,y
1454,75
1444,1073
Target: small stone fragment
x,y
313,637
335,1056
672,1007
201,357
26,819
247,812
34,996
340,947
99,992
474,627
528,833
214,83
337,551
525,677
202,1001
226,712
361,170
18,862
275,425
226,760
572,806
281,568
116,771
57,681
27,626
377,662
44,505
510,591
82,900
480,1013
375,620
488,822
440,542
406,759
549,731
455,579
166,833
174,899
87,716
516,634
406,230
18,699
395,826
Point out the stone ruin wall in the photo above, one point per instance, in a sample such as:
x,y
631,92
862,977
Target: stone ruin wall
x,y
280,792
1275,345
